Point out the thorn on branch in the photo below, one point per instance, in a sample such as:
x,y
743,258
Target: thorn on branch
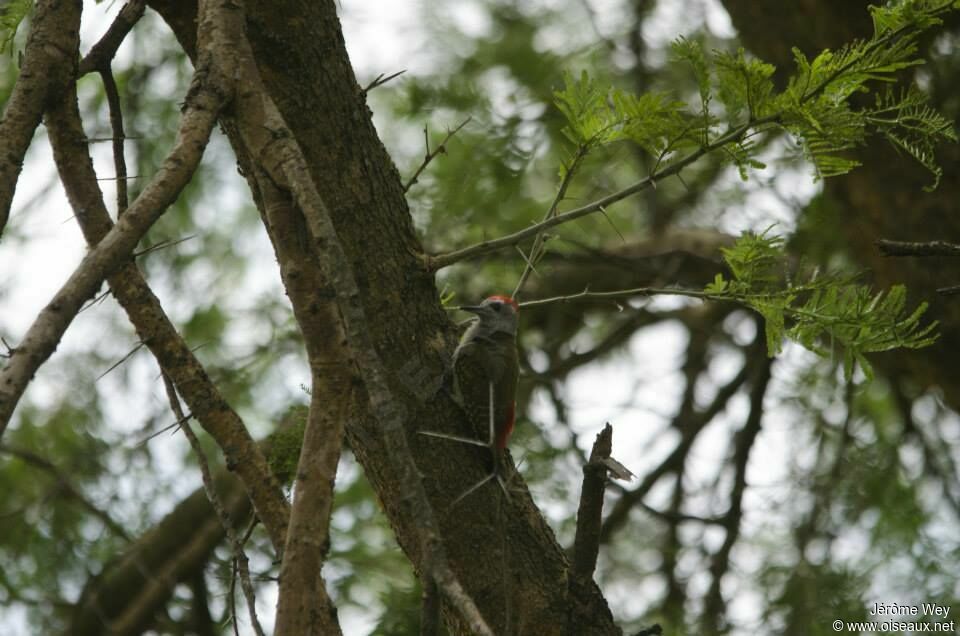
x,y
121,360
603,211
163,245
165,429
119,178
682,182
527,260
95,140
9,350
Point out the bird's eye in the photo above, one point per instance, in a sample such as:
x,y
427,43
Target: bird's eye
x,y
496,305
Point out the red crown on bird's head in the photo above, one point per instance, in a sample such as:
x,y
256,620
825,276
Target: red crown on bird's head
x,y
506,300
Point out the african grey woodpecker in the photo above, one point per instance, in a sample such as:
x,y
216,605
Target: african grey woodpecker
x,y
485,370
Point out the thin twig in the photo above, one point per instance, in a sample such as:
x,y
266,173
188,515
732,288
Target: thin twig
x,y
380,80
241,558
527,260
103,51
681,517
128,177
603,211
586,294
116,124
537,251
436,262
232,597
930,248
431,154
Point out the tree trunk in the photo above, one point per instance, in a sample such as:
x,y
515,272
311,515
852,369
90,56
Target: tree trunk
x,y
503,553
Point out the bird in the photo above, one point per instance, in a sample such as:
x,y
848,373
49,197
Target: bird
x,y
485,369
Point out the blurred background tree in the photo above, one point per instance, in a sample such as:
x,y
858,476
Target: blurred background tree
x,y
773,496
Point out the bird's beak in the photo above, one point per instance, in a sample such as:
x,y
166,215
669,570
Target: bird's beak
x,y
473,309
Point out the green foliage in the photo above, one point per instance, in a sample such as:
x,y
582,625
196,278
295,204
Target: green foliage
x,y
821,312
11,16
912,126
597,116
903,14
744,84
815,108
691,52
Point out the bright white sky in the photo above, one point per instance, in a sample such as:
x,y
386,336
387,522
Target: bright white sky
x,y
385,37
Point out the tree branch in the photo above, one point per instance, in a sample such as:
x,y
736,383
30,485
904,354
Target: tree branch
x,y
586,542
208,93
154,327
624,293
308,537
48,67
